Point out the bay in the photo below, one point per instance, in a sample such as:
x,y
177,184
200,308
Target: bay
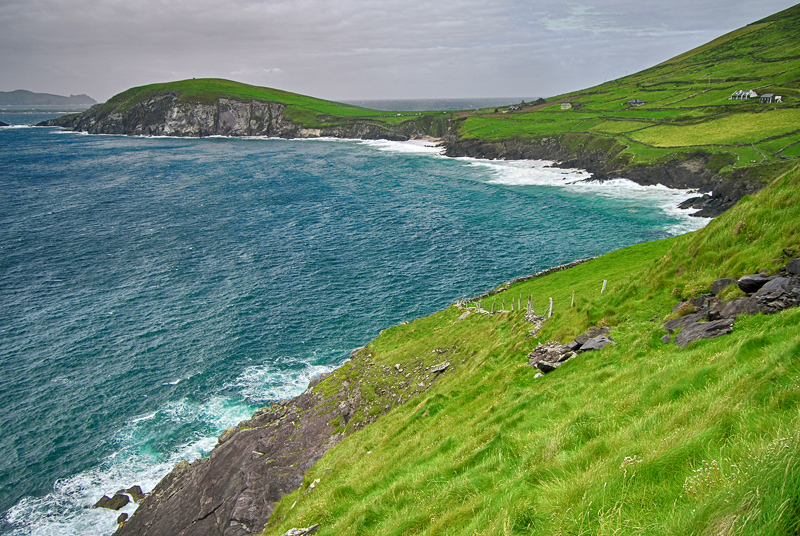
x,y
157,291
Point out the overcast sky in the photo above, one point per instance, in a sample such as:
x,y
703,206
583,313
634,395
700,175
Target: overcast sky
x,y
354,49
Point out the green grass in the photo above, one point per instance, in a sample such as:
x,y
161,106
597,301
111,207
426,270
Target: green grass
x,y
640,438
738,128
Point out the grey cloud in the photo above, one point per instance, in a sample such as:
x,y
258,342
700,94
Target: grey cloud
x,y
353,49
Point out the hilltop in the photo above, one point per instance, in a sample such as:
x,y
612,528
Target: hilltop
x,y
23,97
443,426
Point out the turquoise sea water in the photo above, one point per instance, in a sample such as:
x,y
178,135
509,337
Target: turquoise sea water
x,y
156,291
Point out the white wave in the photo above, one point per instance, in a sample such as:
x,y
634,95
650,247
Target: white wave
x,y
578,181
411,146
262,383
67,509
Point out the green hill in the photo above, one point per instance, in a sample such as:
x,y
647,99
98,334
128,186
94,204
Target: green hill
x,y
683,105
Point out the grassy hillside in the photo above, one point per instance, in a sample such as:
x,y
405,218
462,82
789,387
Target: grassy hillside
x,y
640,438
687,106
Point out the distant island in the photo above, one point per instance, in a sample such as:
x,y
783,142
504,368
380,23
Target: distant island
x,y
22,97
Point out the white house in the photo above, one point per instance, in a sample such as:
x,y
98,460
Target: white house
x,y
741,94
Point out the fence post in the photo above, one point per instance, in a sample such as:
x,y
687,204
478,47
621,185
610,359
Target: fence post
x,y
573,299
550,312
604,285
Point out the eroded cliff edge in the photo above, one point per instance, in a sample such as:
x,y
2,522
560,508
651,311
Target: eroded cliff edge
x,y
234,491
166,114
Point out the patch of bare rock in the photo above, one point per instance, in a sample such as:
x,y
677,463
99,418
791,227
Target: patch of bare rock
x,y
708,317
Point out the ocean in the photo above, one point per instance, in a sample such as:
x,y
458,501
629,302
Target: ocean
x,y
156,291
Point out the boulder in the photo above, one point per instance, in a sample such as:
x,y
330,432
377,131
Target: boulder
x,y
675,323
793,267
721,284
780,293
548,366
581,339
596,343
666,339
136,493
123,517
733,308
112,503
704,330
753,282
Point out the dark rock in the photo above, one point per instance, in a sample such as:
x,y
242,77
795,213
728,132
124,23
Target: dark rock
x,y
721,284
3,124
566,356
695,202
136,493
113,503
675,323
701,301
581,339
596,343
666,339
777,295
733,308
704,330
123,517
751,283
548,366
573,346
793,267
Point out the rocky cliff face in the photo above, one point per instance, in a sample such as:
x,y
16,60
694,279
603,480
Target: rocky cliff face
x,y
234,491
689,172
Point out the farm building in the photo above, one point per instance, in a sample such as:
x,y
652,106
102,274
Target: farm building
x,y
635,102
741,94
767,98
566,106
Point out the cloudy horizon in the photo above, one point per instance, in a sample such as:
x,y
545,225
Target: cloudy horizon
x,y
353,49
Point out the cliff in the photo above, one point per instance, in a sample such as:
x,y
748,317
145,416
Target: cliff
x,y
167,114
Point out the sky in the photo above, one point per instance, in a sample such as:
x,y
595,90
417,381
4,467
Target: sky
x,y
354,49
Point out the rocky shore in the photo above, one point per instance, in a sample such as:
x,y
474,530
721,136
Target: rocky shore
x,y
167,115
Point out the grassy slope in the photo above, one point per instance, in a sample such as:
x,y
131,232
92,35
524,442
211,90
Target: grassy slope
x,y
687,98
641,438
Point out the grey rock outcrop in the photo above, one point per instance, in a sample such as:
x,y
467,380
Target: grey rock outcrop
x,y
767,294
112,503
549,356
778,294
596,343
751,283
704,330
165,114
793,267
